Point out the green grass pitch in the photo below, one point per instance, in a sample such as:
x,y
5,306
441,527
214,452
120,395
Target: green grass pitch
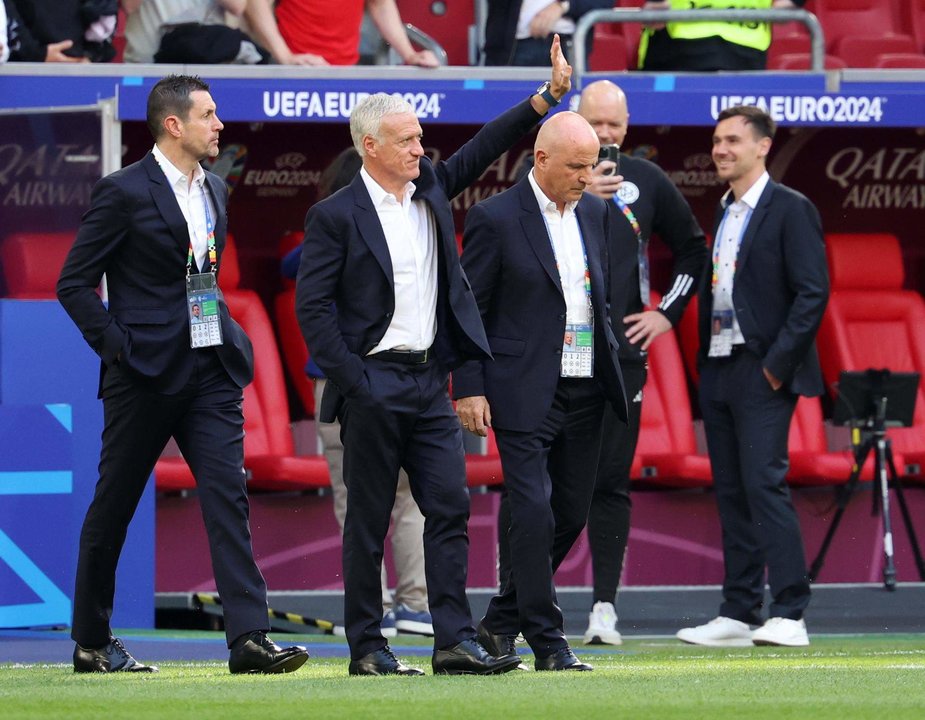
x,y
836,678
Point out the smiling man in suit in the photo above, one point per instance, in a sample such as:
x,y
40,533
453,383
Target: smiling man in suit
x,y
758,321
386,312
536,255
157,230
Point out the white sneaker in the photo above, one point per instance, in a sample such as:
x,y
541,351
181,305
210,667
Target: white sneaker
x,y
602,625
719,632
782,631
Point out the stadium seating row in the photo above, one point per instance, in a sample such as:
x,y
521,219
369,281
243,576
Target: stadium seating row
x,y
871,321
859,34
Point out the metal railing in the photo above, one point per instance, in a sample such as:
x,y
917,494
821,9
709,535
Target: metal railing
x,y
587,22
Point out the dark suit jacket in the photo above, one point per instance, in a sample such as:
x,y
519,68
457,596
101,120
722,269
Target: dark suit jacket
x,y
509,259
345,291
780,289
135,233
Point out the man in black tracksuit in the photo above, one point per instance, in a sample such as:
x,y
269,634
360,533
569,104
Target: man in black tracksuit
x,y
651,204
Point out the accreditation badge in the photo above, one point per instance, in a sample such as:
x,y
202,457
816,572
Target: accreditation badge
x,y
205,324
578,351
721,333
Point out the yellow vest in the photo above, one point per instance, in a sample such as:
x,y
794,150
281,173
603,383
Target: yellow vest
x,y
753,35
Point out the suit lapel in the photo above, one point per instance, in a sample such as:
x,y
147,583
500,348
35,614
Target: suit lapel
x,y
166,202
370,228
536,232
754,223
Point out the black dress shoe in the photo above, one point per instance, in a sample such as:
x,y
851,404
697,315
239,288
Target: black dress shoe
x,y
497,645
112,657
470,658
381,662
563,659
256,653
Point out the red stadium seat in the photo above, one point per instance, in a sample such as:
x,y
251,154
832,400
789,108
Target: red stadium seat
x,y
863,52
485,470
871,322
912,20
802,61
269,455
900,61
609,53
811,462
869,18
787,45
31,263
667,448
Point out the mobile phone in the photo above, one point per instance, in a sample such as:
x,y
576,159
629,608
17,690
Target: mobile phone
x,y
612,153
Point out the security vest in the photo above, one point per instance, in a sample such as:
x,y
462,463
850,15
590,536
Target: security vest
x,y
753,35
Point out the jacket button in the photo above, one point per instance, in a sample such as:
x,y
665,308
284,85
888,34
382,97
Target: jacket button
x,y
388,315
558,351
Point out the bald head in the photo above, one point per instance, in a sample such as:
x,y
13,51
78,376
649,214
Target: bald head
x,y
603,104
565,152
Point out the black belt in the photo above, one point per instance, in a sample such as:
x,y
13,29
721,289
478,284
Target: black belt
x,y
407,357
738,350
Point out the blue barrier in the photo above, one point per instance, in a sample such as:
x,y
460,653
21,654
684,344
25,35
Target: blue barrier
x,y
50,423
475,95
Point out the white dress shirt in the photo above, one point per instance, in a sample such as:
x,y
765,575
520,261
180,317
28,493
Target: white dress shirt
x,y
726,249
568,248
410,234
191,197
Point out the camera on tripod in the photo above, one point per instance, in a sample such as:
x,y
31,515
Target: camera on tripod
x,y
869,401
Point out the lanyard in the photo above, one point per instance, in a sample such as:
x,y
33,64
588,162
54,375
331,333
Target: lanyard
x,y
210,238
642,250
584,255
719,240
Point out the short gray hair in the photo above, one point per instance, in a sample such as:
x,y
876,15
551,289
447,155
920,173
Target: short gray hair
x,y
366,118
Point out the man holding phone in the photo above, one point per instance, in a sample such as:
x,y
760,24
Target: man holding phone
x,y
650,203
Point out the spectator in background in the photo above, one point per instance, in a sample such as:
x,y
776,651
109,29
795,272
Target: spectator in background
x,y
647,201
407,611
194,31
327,32
519,32
61,30
708,46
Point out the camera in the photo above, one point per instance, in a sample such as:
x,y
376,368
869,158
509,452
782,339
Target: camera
x,y
612,153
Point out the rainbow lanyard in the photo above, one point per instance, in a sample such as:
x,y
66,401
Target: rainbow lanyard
x,y
719,240
643,254
210,239
584,256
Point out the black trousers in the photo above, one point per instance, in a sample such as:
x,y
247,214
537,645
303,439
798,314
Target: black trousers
x,y
609,518
549,479
611,504
409,423
205,418
747,424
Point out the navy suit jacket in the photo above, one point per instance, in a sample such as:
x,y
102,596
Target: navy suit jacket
x,y
780,288
135,233
508,257
345,293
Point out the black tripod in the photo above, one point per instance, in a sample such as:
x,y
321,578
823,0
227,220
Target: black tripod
x,y
872,391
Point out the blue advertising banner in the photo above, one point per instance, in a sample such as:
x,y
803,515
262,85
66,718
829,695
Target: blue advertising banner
x,y
802,99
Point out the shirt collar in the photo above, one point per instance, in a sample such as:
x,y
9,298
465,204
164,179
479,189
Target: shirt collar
x,y
544,202
379,194
752,195
175,176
